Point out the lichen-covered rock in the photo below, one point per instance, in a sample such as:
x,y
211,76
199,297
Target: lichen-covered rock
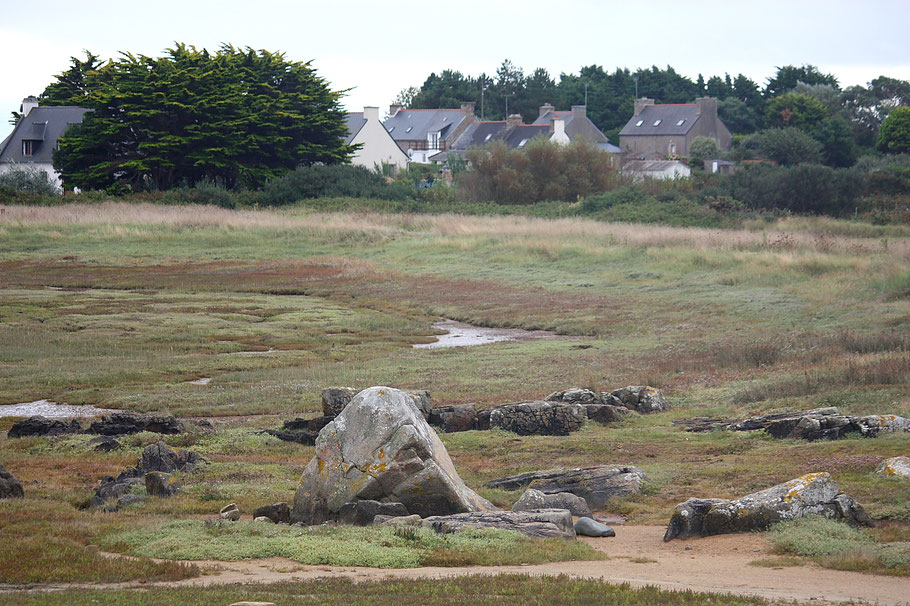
x,y
575,395
160,484
230,512
821,424
811,494
361,513
588,527
381,448
640,398
538,418
111,488
161,457
121,423
895,466
543,523
533,500
458,417
596,485
276,512
42,426
10,487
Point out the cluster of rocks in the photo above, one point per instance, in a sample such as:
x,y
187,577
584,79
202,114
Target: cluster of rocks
x,y
596,485
153,471
10,487
114,424
811,494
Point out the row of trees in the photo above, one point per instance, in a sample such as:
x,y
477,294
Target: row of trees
x,y
237,117
794,96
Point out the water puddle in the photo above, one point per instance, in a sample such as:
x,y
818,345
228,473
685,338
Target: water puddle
x,y
270,350
202,381
460,334
51,410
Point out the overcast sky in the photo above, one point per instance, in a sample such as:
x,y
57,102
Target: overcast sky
x,y
378,48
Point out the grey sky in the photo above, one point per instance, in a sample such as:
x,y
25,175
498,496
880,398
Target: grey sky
x,y
378,48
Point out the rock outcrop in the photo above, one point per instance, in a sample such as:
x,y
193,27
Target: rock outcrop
x,y
381,448
575,395
596,485
821,424
42,426
334,399
533,500
811,494
534,418
895,466
122,423
458,417
158,457
362,513
10,487
543,523
640,398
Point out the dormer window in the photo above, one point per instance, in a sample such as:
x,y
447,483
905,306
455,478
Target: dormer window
x,y
681,122
27,147
639,123
657,122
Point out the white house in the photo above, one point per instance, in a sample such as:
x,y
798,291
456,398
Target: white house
x,y
34,139
378,146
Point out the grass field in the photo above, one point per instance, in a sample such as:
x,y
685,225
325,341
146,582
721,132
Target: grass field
x,y
121,306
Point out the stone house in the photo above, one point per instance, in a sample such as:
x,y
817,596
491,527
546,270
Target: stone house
x,y
667,130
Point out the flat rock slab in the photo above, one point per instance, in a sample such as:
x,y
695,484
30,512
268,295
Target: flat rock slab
x,y
122,423
41,426
543,523
811,494
596,485
381,448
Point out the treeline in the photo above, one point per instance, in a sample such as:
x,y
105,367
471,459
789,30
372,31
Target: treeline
x,y
744,105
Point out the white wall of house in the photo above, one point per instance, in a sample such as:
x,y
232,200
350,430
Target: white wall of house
x,y
378,146
559,132
47,168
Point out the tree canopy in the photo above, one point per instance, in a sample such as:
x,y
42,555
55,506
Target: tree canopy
x,y
894,136
235,117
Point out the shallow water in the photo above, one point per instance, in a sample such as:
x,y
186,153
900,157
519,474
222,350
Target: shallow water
x,y
460,334
51,410
202,381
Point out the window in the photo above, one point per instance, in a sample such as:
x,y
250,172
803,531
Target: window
x,y
639,123
487,138
657,122
522,144
408,129
27,148
681,122
391,128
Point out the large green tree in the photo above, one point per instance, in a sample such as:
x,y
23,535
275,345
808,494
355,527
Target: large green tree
x,y
894,136
237,117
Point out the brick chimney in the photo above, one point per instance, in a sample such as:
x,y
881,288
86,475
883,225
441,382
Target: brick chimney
x,y
640,104
579,111
546,107
394,109
28,104
512,121
707,106
467,108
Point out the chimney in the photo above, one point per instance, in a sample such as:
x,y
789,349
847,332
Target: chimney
x,y
579,111
559,132
512,121
371,113
467,108
640,104
707,106
546,107
28,104
394,109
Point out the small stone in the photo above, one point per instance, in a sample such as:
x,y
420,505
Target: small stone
x,y
587,527
263,519
230,512
253,604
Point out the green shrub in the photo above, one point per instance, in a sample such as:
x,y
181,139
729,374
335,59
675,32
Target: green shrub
x,y
336,180
29,180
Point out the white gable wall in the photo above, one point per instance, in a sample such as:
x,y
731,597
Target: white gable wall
x,y
378,145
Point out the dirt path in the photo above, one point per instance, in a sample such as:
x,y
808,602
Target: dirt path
x,y
719,564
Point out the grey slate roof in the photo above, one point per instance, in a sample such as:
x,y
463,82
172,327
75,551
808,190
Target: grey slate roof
x,y
43,125
354,121
584,128
551,115
526,132
416,124
669,116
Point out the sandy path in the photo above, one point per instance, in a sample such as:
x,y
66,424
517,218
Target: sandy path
x,y
719,564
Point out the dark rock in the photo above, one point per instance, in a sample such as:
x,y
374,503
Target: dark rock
x,y
160,484
596,485
460,417
129,499
161,457
104,443
821,424
482,420
42,426
361,513
604,413
811,494
575,395
544,523
380,448
334,399
702,424
279,513
533,500
111,488
307,438
640,398
123,423
10,487
539,418
587,527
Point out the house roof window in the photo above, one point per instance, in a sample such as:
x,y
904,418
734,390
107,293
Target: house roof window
x,y
391,128
487,138
522,144
27,147
657,122
681,122
639,123
408,129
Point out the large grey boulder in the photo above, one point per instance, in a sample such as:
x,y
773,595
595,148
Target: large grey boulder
x,y
10,488
640,398
543,523
588,527
533,500
811,494
895,466
596,485
535,418
381,448
42,426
